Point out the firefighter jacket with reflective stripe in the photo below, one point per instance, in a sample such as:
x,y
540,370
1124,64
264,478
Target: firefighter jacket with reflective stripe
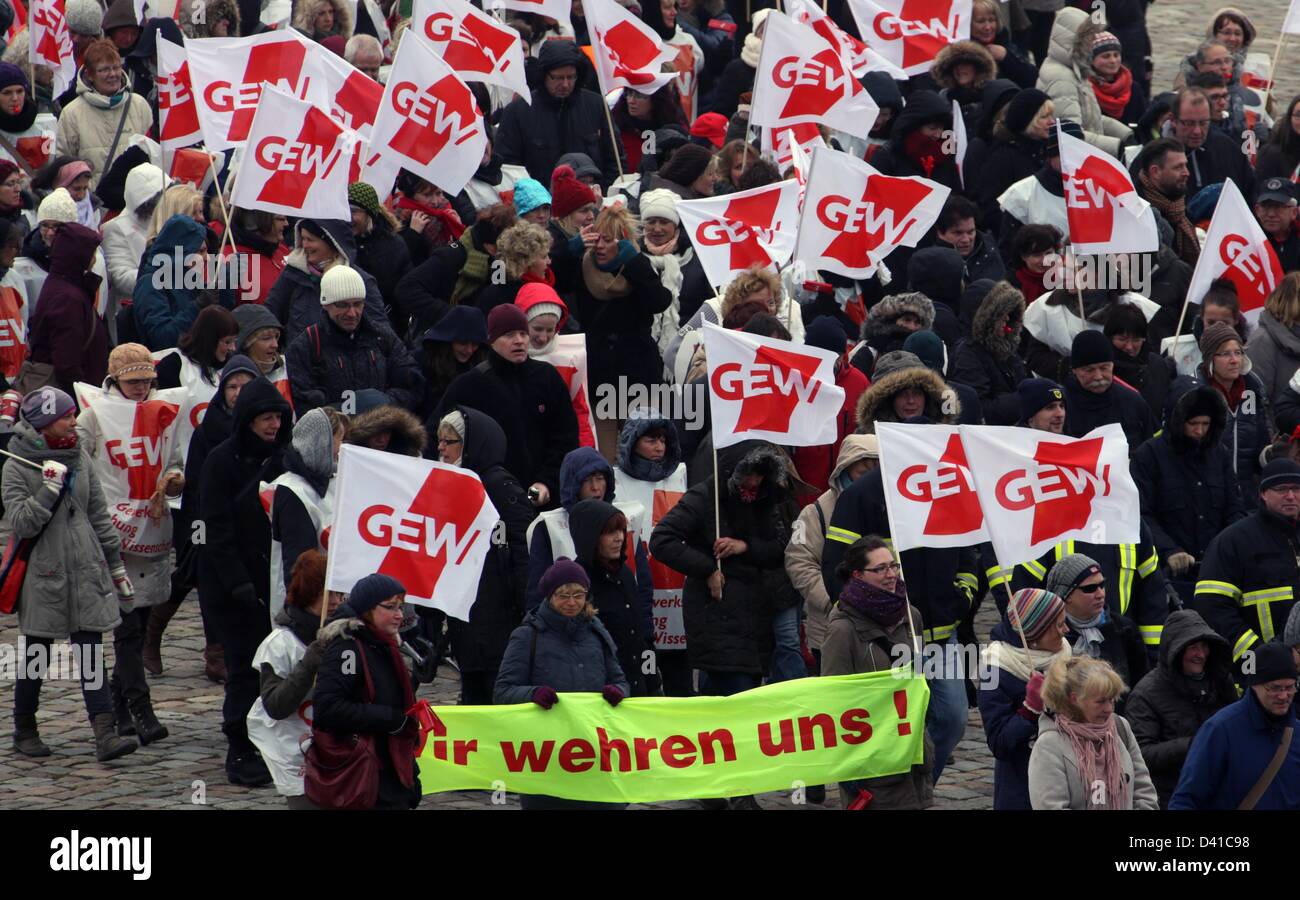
x,y
1249,580
944,584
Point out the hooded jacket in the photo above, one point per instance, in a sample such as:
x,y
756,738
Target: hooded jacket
x,y
295,297
535,136
325,363
876,405
163,307
1274,352
989,360
892,159
69,588
238,547
1064,77
385,254
215,428
969,98
733,634
940,273
881,331
1168,708
304,19
126,235
803,558
1188,491
65,330
885,93
198,25
87,124
480,643
407,437
1002,159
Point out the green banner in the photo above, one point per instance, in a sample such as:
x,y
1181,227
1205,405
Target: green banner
x,y
808,731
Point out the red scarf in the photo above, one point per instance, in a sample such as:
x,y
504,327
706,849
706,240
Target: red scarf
x,y
926,151
1113,96
548,279
450,221
1031,283
1233,394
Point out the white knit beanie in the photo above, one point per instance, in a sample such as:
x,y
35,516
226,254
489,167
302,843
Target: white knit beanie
x,y
341,283
661,204
544,309
58,206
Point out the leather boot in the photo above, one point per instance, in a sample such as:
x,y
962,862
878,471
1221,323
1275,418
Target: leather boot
x,y
214,663
159,616
121,714
147,726
27,740
108,745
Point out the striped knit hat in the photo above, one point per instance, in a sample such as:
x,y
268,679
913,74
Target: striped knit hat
x,y
1034,610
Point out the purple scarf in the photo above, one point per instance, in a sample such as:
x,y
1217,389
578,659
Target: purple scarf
x,y
882,606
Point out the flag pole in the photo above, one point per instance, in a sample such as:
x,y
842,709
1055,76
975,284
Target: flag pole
x,y
34,465
717,503
221,203
613,138
1078,289
1014,618
1281,41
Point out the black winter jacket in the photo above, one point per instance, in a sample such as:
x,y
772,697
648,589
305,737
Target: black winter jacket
x,y
988,361
294,299
1085,411
325,362
618,330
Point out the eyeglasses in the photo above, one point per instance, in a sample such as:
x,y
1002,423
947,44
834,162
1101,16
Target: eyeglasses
x,y
1230,354
883,568
13,183
576,595
393,606
448,441
1091,588
1275,691
1285,490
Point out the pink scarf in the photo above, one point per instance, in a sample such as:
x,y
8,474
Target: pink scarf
x,y
1096,748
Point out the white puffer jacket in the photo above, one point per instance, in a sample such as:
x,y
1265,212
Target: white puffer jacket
x,y
1064,78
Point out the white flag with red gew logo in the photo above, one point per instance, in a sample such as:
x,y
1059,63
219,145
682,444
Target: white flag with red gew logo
x,y
628,53
770,390
350,96
297,161
750,228
428,120
785,142
929,491
178,116
853,217
559,10
50,42
136,442
229,74
1037,488
910,33
1103,209
427,524
862,59
803,77
1237,249
474,44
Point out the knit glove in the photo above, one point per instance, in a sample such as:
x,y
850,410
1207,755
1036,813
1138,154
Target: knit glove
x,y
613,694
1034,694
54,473
1180,563
122,584
545,696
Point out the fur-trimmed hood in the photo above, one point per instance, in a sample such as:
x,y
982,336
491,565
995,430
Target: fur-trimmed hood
x,y
212,11
883,316
304,18
959,52
941,404
409,437
1071,41
986,328
1242,19
756,458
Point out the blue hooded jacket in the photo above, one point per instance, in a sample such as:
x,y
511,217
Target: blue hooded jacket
x,y
163,313
634,429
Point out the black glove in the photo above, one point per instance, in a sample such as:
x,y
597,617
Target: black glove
x,y
244,595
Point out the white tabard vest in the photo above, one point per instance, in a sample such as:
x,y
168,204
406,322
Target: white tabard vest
x,y
556,522
658,497
321,511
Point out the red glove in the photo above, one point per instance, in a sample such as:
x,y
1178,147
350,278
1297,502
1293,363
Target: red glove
x,y
613,694
545,696
1034,694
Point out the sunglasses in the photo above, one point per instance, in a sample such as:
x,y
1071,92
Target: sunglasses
x,y
1091,588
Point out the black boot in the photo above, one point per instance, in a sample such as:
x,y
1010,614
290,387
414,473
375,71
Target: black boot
x,y
151,652
27,740
147,725
121,712
246,767
107,744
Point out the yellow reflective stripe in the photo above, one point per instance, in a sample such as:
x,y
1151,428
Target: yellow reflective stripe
x,y
1035,568
998,577
1218,587
1262,599
1243,644
1151,634
967,580
1065,548
1127,563
1148,568
843,535
940,634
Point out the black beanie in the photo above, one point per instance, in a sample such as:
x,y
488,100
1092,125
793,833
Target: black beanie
x,y
1036,393
1089,348
1022,109
686,164
1273,662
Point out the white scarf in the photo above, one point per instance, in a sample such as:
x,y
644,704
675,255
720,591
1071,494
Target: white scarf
x,y
1019,662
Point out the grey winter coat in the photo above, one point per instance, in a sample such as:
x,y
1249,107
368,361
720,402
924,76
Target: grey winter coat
x,y
1054,781
68,587
570,655
1274,352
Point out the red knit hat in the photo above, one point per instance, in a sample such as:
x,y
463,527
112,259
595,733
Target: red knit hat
x,y
712,126
568,194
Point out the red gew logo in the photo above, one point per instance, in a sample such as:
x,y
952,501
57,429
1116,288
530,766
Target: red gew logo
x,y
947,487
743,222
769,388
880,217
141,455
472,44
1246,270
279,65
436,115
296,165
815,84
925,26
1060,489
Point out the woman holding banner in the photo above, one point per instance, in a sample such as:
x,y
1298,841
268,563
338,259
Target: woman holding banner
x,y
866,630
561,648
135,446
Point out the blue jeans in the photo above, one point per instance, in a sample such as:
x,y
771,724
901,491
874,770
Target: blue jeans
x,y
787,661
945,719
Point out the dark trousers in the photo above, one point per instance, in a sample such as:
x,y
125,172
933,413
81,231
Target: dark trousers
x,y
476,688
128,641
240,629
1040,34
675,672
89,650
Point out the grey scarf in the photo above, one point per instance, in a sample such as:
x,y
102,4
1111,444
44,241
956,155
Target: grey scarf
x,y
1090,636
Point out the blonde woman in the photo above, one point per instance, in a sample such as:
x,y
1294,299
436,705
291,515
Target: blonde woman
x,y
177,200
524,253
1086,757
1274,348
756,285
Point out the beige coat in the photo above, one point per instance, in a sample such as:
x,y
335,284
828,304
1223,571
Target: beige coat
x,y
1054,780
803,555
1064,77
88,123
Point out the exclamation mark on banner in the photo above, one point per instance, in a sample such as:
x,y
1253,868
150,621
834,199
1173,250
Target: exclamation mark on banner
x,y
900,704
